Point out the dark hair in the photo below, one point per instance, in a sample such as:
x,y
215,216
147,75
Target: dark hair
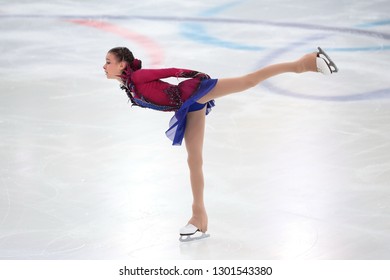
x,y
124,54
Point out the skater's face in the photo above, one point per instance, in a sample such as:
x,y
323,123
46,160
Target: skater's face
x,y
113,66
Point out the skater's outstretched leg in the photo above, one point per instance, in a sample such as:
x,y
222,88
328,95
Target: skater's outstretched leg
x,y
193,137
238,84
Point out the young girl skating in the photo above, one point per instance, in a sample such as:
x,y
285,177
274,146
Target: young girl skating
x,y
191,100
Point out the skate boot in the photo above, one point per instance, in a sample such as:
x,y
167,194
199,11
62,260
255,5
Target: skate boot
x,y
191,233
324,64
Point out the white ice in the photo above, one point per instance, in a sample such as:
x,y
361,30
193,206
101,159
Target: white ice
x,y
296,168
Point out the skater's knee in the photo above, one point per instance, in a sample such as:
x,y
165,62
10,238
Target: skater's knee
x,y
195,161
249,81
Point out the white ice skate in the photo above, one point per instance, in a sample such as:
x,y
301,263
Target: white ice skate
x,y
191,233
324,64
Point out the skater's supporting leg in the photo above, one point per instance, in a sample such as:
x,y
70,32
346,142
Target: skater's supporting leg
x,y
194,135
238,84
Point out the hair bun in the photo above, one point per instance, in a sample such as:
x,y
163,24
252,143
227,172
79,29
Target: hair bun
x,y
136,64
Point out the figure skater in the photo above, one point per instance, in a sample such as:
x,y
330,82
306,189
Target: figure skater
x,y
191,100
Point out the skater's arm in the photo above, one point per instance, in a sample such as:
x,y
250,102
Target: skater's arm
x,y
148,75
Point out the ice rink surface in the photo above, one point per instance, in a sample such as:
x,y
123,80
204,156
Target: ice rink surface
x,y
297,168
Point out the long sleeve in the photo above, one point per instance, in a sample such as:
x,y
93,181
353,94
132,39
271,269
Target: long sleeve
x,y
149,75
147,85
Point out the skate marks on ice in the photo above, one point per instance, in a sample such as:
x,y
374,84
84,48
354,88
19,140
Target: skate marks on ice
x,y
315,173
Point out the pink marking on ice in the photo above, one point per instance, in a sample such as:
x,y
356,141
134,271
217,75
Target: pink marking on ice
x,y
151,47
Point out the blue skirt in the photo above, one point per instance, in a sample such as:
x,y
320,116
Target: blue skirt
x,y
177,124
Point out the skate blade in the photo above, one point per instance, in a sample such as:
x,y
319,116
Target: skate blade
x,y
332,66
192,237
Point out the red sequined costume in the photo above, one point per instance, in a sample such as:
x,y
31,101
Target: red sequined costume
x,y
146,84
145,88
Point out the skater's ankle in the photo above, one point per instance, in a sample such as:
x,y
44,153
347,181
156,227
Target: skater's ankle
x,y
198,207
199,217
199,222
307,63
